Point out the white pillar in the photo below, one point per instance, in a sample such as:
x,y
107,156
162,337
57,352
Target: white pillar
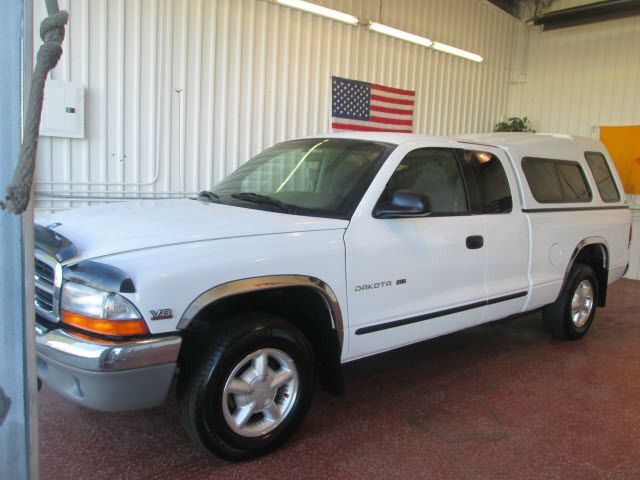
x,y
18,413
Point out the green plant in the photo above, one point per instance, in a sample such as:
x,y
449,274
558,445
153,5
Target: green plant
x,y
514,124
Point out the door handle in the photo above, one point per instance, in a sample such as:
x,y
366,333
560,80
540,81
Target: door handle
x,y
475,241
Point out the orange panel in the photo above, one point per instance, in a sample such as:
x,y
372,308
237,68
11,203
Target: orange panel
x,y
623,144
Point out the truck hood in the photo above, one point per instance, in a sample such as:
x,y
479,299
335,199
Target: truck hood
x,y
108,229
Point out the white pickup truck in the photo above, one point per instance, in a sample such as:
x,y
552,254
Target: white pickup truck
x,y
317,252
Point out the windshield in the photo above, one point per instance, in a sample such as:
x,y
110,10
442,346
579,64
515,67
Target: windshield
x,y
319,177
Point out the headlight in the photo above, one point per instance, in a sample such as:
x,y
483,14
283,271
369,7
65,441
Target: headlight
x,y
106,313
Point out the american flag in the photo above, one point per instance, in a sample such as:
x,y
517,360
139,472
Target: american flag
x,y
370,108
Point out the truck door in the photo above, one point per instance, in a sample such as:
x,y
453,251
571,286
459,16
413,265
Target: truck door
x,y
409,279
494,196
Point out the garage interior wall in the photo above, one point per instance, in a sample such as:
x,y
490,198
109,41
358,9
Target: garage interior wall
x,y
180,92
574,80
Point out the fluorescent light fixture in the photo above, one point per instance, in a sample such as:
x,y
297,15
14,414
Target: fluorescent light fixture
x,y
402,35
319,10
425,42
442,47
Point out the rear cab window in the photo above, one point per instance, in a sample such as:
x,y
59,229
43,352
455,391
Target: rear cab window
x,y
487,182
556,181
603,177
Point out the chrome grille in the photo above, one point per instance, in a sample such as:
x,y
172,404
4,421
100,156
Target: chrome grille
x,y
44,271
44,299
45,290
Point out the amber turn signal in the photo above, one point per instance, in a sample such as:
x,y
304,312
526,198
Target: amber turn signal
x,y
120,328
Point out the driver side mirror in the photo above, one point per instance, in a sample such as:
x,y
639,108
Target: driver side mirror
x,y
404,204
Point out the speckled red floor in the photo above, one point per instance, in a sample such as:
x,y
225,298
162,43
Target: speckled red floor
x,y
498,401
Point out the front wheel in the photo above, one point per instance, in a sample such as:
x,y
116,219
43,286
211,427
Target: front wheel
x,y
571,316
249,389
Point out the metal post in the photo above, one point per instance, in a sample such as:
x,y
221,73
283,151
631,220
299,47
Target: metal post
x,y
18,421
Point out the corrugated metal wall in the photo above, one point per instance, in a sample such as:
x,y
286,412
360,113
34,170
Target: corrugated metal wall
x,y
576,79
581,77
180,92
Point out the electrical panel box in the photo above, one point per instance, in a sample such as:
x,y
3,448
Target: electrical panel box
x,y
63,110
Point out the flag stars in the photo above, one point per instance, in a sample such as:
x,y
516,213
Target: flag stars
x,y
351,99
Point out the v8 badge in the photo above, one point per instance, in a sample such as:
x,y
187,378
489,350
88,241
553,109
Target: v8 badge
x,y
163,314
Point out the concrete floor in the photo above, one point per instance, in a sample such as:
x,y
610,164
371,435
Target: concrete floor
x,y
498,401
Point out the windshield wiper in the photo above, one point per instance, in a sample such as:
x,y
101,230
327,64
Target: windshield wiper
x,y
209,196
263,200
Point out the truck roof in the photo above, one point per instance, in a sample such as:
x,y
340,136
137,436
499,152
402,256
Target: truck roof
x,y
507,140
504,140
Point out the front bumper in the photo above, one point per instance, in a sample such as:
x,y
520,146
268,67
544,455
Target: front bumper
x,y
110,376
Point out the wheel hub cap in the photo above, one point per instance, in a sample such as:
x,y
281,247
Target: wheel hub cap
x,y
260,392
582,303
263,394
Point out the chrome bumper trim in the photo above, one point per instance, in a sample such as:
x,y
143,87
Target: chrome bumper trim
x,y
62,346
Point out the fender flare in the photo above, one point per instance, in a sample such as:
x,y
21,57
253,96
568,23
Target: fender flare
x,y
594,240
255,284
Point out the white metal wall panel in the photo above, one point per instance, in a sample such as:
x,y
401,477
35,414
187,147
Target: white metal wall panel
x,y
634,254
579,78
576,79
180,92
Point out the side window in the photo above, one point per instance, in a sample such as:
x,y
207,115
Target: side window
x,y
556,181
433,172
602,174
491,184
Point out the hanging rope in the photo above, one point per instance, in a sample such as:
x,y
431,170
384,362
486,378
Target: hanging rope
x,y
52,34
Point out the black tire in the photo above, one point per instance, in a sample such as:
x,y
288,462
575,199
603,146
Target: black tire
x,y
557,316
203,376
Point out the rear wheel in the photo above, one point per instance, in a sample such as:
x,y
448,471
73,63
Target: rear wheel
x,y
571,316
249,389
